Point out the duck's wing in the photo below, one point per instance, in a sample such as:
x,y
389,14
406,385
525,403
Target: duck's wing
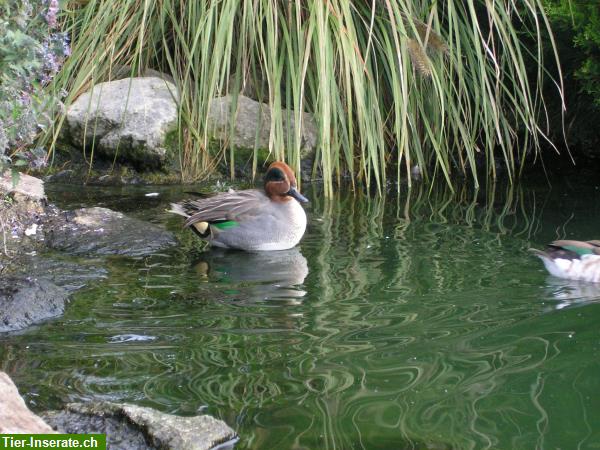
x,y
568,249
226,207
578,248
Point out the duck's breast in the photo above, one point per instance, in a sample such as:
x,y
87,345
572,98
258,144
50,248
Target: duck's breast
x,y
585,268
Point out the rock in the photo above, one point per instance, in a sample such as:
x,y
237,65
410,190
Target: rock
x,y
134,427
25,301
253,122
21,206
128,118
104,232
62,176
67,275
15,417
124,71
27,187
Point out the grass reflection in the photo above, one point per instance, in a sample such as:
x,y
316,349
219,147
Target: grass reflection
x,y
413,320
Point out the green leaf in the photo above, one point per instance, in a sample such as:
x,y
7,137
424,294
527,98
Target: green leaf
x,y
15,176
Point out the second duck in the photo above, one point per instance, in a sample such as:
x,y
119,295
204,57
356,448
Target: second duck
x,y
574,260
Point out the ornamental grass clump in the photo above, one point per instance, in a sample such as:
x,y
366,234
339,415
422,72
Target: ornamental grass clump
x,y
447,87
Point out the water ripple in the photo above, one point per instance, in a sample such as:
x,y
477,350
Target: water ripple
x,y
412,321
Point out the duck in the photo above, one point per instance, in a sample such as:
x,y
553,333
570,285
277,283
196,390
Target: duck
x,y
265,219
573,260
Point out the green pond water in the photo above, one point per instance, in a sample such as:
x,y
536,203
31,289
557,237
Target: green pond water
x,y
416,320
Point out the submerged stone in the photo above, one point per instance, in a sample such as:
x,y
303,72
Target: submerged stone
x,y
25,301
103,231
131,427
70,276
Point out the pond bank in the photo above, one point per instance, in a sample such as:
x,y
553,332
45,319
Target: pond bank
x,y
126,426
398,322
35,287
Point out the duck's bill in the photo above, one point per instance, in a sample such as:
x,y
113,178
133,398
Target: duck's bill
x,y
293,192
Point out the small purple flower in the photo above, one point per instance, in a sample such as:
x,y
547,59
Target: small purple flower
x,y
25,98
51,65
52,12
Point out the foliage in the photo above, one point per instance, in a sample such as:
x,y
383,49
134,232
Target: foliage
x,y
31,52
392,84
577,22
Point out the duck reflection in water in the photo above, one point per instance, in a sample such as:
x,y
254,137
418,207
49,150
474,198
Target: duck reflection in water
x,y
572,293
256,276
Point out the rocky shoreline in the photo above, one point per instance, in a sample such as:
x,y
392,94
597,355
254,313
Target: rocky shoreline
x,y
34,289
128,124
126,131
127,427
30,225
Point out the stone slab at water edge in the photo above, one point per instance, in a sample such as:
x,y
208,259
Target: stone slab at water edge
x,y
15,417
134,427
26,186
104,232
22,202
128,119
25,301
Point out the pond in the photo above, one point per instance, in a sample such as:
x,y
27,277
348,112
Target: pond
x,y
413,320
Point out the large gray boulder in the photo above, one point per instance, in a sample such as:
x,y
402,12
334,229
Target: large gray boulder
x,y
15,417
135,427
25,301
128,118
103,231
252,124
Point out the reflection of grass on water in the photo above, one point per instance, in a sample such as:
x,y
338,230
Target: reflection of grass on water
x,y
417,217
504,208
500,208
378,267
355,229
385,264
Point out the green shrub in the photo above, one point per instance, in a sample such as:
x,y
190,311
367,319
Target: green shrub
x,y
31,52
577,24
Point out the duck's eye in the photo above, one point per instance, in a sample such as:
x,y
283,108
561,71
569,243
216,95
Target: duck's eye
x,y
274,175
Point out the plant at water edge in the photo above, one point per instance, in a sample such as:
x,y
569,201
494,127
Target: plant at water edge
x,y
31,52
392,84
